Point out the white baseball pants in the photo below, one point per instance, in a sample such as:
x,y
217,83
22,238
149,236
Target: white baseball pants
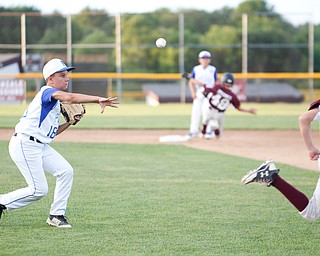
x,y
33,158
212,117
197,112
312,211
196,115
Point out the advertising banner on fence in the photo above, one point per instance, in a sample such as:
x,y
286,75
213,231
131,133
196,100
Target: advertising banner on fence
x,y
12,91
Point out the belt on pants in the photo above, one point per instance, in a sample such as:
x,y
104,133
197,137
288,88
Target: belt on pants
x,y
30,138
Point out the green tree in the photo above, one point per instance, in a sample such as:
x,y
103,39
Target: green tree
x,y
317,48
275,45
11,25
222,37
270,38
91,19
138,38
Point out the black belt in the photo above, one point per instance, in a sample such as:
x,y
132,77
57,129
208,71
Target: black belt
x,y
30,138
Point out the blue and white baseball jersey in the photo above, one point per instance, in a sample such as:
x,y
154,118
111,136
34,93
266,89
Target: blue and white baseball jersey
x,y
208,76
41,119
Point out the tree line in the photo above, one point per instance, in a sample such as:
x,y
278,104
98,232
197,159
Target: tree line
x,y
274,44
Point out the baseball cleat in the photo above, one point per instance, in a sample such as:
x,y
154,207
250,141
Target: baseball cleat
x,y
208,136
194,135
2,208
58,221
265,174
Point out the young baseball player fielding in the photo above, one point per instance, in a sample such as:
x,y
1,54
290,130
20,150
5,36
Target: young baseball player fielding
x,y
219,98
268,174
30,147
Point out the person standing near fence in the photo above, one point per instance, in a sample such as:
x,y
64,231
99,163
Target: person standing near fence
x,y
201,75
30,150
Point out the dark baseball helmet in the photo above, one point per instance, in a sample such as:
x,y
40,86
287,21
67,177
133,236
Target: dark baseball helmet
x,y
227,78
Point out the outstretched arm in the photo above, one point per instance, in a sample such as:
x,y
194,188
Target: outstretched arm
x,y
84,98
250,110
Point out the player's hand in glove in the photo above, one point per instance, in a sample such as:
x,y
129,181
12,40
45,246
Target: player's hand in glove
x,y
186,76
72,112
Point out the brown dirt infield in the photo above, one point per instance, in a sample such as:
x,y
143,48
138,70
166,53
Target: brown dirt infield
x,y
281,146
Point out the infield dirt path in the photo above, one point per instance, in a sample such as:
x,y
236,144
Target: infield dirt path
x,y
281,146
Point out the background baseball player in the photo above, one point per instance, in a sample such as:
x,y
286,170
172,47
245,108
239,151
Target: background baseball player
x,y
268,174
30,150
219,98
202,74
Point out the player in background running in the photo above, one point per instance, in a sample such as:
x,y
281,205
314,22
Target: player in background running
x,y
220,97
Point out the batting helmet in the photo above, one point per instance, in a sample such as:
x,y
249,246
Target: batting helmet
x,y
227,78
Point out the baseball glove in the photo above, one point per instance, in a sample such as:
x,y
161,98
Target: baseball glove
x,y
186,76
72,113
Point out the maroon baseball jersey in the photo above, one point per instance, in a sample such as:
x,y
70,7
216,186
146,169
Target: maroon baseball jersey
x,y
220,98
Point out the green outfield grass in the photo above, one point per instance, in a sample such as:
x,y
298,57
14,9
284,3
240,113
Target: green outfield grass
x,y
159,200
282,116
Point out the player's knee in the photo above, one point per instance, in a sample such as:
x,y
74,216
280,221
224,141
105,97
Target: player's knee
x,y
41,194
310,213
69,171
66,174
311,218
42,191
39,191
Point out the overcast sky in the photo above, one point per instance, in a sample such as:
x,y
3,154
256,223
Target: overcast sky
x,y
293,10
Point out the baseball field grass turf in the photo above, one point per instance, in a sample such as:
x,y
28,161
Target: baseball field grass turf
x,y
172,116
159,200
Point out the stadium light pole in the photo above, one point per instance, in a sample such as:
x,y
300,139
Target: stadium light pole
x,y
244,43
69,40
118,54
23,40
245,48
69,47
311,56
181,58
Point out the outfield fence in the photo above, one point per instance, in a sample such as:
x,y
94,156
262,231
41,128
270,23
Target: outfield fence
x,y
129,86
165,76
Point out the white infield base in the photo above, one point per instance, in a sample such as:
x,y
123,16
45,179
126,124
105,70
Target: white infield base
x,y
174,138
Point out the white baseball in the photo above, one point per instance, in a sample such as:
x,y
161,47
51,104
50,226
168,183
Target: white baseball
x,y
161,42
